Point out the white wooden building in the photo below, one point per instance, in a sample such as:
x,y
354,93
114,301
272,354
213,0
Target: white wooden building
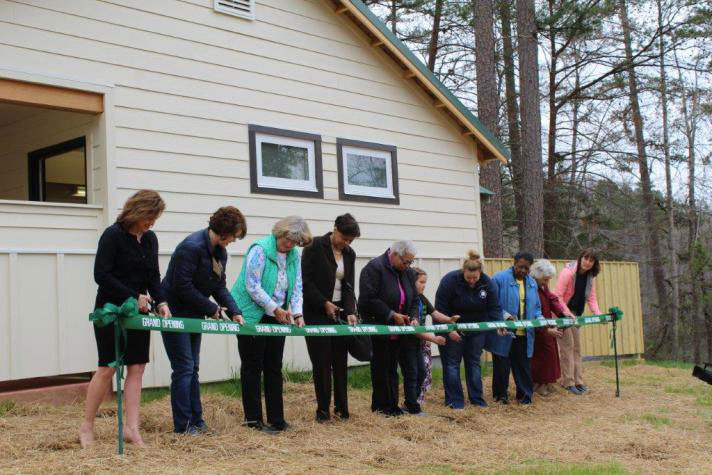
x,y
278,107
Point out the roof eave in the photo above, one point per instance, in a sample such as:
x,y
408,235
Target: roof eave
x,y
488,146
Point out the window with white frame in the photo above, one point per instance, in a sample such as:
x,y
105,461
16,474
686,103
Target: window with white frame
x,y
285,162
367,171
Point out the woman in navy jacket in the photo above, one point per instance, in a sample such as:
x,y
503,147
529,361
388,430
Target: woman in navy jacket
x,y
467,292
196,273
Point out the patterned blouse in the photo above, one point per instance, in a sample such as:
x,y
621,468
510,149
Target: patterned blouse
x,y
255,266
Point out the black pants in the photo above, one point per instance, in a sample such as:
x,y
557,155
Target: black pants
x,y
413,370
384,374
262,354
520,366
328,356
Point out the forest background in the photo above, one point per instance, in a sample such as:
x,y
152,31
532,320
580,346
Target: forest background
x,y
606,106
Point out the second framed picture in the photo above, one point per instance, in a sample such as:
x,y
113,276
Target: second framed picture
x,y
367,171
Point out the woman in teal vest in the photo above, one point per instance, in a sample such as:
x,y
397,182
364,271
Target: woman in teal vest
x,y
269,290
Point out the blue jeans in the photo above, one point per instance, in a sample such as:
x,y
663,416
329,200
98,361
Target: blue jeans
x,y
184,352
469,349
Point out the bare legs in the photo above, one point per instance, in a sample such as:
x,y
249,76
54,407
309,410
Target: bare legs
x,y
132,397
98,387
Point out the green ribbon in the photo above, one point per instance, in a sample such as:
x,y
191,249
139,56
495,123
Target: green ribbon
x,y
128,317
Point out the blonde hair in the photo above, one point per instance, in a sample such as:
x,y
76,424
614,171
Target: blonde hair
x,y
294,228
144,204
472,262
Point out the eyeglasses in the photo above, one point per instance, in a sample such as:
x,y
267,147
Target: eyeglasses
x,y
406,262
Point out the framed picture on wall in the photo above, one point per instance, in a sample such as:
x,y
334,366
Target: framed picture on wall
x,y
367,171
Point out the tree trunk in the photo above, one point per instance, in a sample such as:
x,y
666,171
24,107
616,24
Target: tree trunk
x,y
550,201
490,176
652,234
510,92
394,17
697,320
532,186
575,123
670,212
434,35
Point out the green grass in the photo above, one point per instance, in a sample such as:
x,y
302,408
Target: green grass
x,y
299,377
445,469
687,390
670,364
153,394
359,378
627,362
6,407
622,363
700,391
547,468
705,399
229,388
656,421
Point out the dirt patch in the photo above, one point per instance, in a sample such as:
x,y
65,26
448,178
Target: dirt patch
x,y
657,425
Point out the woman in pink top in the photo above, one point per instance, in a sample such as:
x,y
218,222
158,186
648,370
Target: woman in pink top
x,y
576,288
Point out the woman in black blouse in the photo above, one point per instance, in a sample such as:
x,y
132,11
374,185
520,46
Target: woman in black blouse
x,y
126,265
328,280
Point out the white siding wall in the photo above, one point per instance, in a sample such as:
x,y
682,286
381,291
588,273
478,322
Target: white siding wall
x,y
45,299
187,82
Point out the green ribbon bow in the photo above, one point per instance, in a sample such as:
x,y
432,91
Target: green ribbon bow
x,y
111,314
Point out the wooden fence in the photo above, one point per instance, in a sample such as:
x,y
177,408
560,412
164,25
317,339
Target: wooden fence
x,y
617,285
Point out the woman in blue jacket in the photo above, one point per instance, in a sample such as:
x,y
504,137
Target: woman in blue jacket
x,y
195,273
519,299
467,292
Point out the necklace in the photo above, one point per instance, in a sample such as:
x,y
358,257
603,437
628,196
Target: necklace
x,y
337,253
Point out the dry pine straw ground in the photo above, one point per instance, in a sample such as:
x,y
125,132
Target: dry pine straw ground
x,y
662,423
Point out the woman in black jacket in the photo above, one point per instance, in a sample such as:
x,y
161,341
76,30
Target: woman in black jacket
x,y
126,265
388,297
328,279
